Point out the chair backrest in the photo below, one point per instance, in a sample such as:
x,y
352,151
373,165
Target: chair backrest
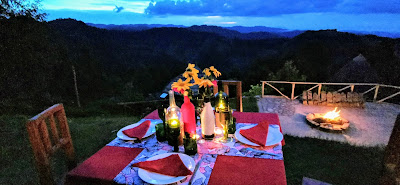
x,y
392,156
45,144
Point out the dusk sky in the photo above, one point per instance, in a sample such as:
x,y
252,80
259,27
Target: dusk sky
x,y
356,15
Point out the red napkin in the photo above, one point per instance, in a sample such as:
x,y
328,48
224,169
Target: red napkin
x,y
171,165
234,170
257,117
257,134
103,166
152,115
138,131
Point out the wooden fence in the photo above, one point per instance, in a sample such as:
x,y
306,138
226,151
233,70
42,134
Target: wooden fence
x,y
372,87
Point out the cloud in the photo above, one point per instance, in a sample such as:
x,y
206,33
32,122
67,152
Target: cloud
x,y
268,7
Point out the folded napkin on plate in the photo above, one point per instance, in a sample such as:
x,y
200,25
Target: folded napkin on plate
x,y
171,165
257,134
138,131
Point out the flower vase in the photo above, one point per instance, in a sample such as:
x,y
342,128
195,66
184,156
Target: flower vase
x,y
188,116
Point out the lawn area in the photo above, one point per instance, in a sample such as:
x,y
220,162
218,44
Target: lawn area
x,y
327,161
88,134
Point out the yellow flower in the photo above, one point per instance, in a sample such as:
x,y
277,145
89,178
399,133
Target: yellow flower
x,y
207,72
196,80
180,86
188,74
205,83
215,71
190,66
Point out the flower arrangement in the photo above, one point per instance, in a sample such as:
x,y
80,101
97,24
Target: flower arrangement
x,y
191,76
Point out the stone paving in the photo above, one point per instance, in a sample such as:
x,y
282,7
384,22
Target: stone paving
x,y
370,126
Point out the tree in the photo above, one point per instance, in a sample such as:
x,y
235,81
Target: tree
x,y
288,72
15,8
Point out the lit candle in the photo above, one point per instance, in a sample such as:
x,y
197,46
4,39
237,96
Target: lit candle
x,y
221,106
173,123
218,131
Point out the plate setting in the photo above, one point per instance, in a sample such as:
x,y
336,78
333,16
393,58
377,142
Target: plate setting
x,y
156,178
151,131
274,136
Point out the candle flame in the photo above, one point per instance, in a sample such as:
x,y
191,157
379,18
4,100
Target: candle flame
x,y
332,114
174,123
218,131
196,136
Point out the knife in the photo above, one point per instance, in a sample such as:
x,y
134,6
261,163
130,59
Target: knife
x,y
194,171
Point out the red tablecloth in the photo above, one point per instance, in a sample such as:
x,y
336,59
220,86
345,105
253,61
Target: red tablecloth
x,y
103,166
234,170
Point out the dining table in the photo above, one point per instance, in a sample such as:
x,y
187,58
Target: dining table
x,y
218,162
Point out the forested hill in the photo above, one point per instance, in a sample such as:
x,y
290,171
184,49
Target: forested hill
x,y
121,65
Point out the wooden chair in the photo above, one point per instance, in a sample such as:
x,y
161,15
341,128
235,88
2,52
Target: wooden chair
x,y
391,172
45,144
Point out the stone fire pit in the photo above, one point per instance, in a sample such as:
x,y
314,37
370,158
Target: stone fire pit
x,y
336,124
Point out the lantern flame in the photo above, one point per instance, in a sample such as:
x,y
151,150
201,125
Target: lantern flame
x,y
332,114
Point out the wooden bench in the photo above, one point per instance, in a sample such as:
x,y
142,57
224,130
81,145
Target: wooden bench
x,y
350,99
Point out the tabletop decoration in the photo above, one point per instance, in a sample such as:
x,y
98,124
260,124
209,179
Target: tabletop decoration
x,y
174,126
190,144
160,132
205,84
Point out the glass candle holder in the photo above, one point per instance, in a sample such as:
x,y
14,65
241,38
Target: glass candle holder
x,y
190,144
174,131
160,132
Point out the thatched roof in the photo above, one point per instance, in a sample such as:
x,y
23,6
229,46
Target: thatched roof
x,y
357,70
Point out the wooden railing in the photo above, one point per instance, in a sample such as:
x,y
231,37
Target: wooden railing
x,y
374,86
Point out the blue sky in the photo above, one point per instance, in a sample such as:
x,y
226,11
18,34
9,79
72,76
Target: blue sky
x,y
356,15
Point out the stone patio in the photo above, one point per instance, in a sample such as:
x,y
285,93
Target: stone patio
x,y
370,126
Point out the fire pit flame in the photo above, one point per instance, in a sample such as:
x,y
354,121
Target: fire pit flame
x,y
331,115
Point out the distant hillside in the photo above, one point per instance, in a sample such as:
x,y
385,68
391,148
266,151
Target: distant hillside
x,y
233,34
274,32
126,65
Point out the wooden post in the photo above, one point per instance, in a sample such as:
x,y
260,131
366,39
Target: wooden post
x,y
76,87
293,85
319,89
262,89
239,105
226,89
376,92
352,88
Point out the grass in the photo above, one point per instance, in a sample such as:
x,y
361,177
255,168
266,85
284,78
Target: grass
x,y
331,162
328,161
88,135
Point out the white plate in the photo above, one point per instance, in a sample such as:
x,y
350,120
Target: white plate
x,y
274,136
152,129
156,178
